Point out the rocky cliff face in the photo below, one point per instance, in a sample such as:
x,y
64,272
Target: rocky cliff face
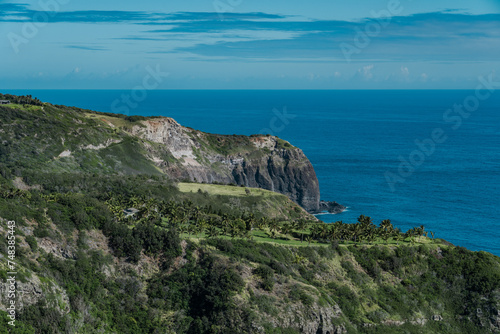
x,y
261,161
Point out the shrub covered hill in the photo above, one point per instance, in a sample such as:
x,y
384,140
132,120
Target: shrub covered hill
x,y
59,139
111,238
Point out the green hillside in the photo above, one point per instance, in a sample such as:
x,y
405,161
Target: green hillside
x,y
107,242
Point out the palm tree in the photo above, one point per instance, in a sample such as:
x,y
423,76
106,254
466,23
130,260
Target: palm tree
x,y
134,201
386,230
323,231
399,237
182,229
301,225
422,231
212,232
386,225
262,223
347,234
196,213
286,228
309,239
234,231
356,232
249,221
202,225
274,227
191,229
332,233
225,220
365,221
369,234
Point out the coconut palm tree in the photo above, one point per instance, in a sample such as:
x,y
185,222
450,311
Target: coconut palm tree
x,y
201,226
286,228
212,232
323,231
399,237
300,226
314,231
261,224
386,229
234,231
191,229
356,232
422,232
225,220
274,227
332,233
250,221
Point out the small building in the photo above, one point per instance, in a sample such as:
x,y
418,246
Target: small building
x,y
4,102
130,212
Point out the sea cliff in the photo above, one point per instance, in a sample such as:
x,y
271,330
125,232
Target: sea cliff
x,y
258,161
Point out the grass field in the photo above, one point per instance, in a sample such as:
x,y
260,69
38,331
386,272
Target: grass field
x,y
264,236
22,107
214,189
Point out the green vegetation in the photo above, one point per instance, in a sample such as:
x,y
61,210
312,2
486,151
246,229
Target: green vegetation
x,y
232,272
21,100
227,145
108,244
224,190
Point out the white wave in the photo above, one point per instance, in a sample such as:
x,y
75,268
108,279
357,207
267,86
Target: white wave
x,y
328,213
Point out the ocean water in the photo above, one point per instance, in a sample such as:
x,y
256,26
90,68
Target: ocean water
x,y
353,139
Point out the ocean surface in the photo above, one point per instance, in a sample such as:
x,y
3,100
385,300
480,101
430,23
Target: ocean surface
x,y
356,140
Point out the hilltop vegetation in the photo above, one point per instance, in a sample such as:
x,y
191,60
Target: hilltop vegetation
x,y
58,139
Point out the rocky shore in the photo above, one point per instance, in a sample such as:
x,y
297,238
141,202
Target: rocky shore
x,y
330,207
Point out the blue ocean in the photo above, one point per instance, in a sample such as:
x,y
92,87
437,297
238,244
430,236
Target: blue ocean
x,y
407,156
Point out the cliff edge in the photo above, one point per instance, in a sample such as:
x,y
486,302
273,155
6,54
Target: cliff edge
x,y
55,139
257,161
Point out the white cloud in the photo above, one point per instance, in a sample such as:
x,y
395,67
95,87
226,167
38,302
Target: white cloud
x,y
405,71
312,76
366,72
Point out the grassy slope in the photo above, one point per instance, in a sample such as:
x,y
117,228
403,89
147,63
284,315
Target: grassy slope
x,y
35,136
263,202
224,190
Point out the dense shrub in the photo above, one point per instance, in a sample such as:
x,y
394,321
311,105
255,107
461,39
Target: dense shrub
x,y
263,271
32,242
299,294
202,289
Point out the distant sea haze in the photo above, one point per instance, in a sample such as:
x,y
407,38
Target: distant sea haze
x,y
359,142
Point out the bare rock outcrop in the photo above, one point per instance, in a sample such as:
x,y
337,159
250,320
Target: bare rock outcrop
x,y
32,290
259,161
313,320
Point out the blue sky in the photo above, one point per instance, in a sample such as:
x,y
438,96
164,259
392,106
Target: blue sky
x,y
243,44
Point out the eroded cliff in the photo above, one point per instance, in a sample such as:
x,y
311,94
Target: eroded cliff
x,y
61,139
258,161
